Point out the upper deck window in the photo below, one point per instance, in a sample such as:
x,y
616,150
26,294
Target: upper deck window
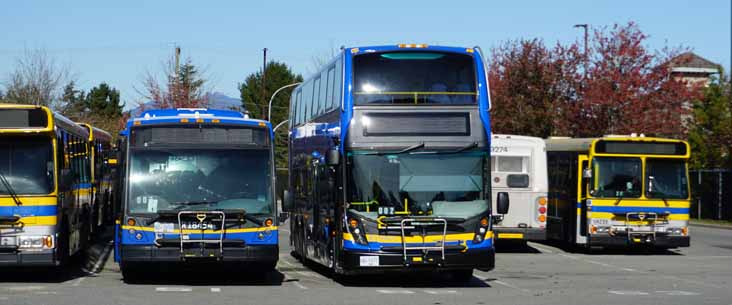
x,y
414,77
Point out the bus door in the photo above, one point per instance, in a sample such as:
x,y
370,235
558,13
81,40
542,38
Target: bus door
x,y
582,161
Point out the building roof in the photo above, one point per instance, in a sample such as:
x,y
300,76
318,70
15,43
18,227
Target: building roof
x,y
692,63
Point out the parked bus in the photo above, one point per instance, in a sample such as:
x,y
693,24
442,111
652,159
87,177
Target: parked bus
x,y
389,162
518,167
102,190
619,191
197,187
44,187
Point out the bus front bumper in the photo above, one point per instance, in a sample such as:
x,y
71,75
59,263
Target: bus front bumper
x,y
622,240
356,262
45,258
244,254
526,234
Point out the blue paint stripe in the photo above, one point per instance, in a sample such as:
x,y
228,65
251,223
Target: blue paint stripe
x,y
250,238
627,209
39,210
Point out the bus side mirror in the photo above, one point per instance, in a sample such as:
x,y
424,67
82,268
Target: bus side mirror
x,y
502,204
287,201
333,157
587,173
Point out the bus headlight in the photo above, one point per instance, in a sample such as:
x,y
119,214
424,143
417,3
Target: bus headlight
x,y
357,231
676,231
481,230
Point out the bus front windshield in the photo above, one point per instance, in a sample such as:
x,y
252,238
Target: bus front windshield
x,y
200,179
27,165
666,179
414,77
442,185
617,177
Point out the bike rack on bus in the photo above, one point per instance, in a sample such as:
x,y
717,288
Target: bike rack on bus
x,y
652,219
415,222
201,216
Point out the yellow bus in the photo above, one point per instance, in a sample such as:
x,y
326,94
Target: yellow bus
x,y
100,148
44,186
619,191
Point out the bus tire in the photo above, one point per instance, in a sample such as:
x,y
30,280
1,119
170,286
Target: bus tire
x,y
130,273
460,276
63,246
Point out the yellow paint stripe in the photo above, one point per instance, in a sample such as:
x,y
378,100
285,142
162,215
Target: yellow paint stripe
x,y
29,201
33,221
149,229
390,239
510,236
604,215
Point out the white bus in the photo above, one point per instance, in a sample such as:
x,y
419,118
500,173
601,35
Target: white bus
x,y
519,167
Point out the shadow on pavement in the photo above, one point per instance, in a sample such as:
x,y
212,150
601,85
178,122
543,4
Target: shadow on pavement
x,y
510,246
207,275
410,279
630,250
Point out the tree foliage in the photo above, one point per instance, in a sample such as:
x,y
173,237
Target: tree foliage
x,y
101,107
627,89
711,134
36,80
278,75
181,88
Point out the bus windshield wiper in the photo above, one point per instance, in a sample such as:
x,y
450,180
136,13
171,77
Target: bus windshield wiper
x,y
661,196
181,204
405,150
10,189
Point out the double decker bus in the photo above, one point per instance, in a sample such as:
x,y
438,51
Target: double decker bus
x,y
389,162
197,187
619,191
518,167
44,187
101,177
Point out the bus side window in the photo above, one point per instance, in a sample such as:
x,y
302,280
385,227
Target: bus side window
x,y
584,181
338,83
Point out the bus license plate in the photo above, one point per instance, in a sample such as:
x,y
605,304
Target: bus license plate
x,y
369,261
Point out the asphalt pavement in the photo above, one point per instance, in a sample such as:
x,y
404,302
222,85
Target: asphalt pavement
x,y
539,273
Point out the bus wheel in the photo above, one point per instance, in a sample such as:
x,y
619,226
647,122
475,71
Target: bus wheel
x,y
62,247
460,276
130,273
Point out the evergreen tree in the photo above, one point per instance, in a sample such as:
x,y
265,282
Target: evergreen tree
x,y
278,75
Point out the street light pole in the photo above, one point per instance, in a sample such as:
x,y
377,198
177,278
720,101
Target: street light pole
x,y
264,77
587,59
278,125
269,114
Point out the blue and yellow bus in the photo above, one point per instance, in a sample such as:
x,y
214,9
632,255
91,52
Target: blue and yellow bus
x,y
101,178
389,163
44,187
197,186
619,191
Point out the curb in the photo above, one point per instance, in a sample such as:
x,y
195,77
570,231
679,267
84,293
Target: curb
x,y
703,225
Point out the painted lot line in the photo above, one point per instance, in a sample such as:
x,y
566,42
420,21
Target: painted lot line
x,y
670,277
502,283
391,291
173,289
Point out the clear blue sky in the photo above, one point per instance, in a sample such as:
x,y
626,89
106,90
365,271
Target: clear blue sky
x,y
118,41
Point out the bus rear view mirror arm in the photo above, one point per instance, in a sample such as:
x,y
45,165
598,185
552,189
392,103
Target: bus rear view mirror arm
x,y
502,203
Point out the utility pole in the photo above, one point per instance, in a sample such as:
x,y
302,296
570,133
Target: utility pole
x,y
585,55
177,60
264,81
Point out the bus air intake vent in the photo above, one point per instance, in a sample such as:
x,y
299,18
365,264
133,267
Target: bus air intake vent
x,y
416,124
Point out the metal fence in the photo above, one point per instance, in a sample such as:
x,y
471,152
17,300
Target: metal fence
x,y
711,191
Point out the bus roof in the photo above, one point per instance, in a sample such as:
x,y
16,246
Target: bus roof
x,y
533,140
53,119
585,144
409,47
185,116
96,133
